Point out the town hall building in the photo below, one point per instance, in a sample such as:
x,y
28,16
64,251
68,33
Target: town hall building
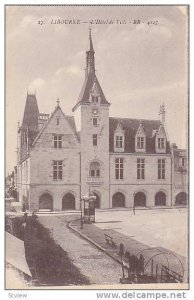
x,y
124,162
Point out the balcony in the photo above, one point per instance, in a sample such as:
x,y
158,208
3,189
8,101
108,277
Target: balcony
x,y
95,180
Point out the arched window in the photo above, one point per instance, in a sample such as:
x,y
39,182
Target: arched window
x,y
118,200
68,201
46,201
181,199
160,199
97,201
140,199
94,169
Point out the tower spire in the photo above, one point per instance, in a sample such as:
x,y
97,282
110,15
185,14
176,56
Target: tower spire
x,y
90,39
90,60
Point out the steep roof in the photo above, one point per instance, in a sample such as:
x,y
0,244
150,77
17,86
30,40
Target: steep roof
x,y
31,112
90,78
86,89
71,122
130,126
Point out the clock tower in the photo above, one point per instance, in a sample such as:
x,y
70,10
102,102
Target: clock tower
x,y
94,136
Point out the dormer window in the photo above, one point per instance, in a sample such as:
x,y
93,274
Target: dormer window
x,y
119,141
160,143
94,99
119,138
140,139
140,142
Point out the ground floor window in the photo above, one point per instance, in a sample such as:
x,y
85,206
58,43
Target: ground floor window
x,y
181,199
97,201
118,200
46,201
140,199
160,199
68,201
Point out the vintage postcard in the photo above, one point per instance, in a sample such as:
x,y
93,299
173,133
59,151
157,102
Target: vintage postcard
x,y
96,193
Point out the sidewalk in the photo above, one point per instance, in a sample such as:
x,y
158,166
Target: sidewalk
x,y
160,255
96,266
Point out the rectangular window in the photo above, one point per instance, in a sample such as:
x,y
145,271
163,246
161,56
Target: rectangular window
x,y
161,168
140,142
57,121
92,173
95,99
57,141
140,168
119,168
160,143
95,121
119,141
94,139
95,172
57,169
183,162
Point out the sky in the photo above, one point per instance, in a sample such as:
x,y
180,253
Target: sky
x,y
139,66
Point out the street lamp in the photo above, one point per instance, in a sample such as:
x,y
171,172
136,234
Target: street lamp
x,y
81,227
134,203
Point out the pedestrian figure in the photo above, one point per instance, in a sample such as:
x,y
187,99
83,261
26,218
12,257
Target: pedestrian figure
x,y
24,219
34,216
121,250
134,209
121,253
127,255
141,265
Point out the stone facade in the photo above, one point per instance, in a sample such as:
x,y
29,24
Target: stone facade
x,y
150,186
180,176
124,162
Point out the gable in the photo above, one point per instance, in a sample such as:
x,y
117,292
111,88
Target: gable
x,y
57,124
161,131
141,130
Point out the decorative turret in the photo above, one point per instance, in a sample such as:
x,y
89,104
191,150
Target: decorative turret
x,y
162,113
91,85
90,60
31,113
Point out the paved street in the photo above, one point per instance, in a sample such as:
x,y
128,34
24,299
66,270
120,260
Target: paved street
x,y
166,228
94,264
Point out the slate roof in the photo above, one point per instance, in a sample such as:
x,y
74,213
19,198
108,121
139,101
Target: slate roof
x,y
86,88
130,127
71,122
31,113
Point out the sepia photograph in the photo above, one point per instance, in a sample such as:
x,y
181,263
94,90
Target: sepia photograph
x,y
96,124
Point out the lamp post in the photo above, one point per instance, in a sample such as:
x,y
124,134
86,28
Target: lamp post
x,y
81,227
134,203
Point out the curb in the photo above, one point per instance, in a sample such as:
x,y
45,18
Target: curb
x,y
69,226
